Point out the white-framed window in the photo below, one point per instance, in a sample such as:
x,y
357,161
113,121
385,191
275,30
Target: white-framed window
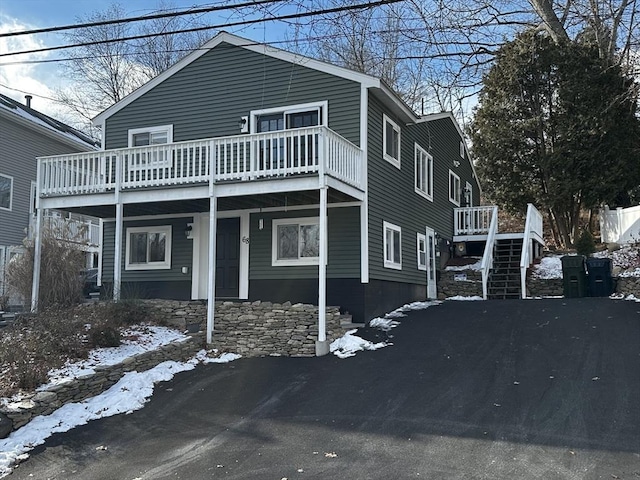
x,y
461,148
295,241
392,246
424,172
421,244
139,137
288,117
391,141
468,192
6,192
454,188
148,248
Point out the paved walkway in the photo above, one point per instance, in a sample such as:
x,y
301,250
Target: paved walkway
x,y
533,389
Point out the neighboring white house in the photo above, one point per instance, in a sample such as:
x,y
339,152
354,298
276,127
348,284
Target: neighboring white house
x,y
621,225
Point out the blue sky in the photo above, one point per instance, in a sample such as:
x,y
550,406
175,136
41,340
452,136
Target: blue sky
x,y
40,80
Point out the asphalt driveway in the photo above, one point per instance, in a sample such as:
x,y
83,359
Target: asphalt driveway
x,y
533,389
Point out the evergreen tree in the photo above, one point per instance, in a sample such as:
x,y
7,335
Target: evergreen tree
x,y
556,126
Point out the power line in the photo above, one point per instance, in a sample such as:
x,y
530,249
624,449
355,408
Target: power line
x,y
179,13
196,29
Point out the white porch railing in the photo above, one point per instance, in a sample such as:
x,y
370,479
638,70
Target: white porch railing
x,y
80,231
237,158
473,220
487,257
532,231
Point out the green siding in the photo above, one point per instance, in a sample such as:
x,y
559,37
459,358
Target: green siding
x,y
344,246
208,97
392,196
181,252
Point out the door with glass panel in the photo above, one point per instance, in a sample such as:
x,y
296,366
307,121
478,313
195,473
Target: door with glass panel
x,y
430,241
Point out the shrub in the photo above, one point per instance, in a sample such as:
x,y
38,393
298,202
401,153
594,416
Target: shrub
x,y
60,267
104,335
586,244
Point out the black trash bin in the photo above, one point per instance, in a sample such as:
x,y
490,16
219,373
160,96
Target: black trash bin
x,y
600,278
574,276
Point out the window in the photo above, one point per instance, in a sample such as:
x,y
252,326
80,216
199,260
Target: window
x,y
392,246
6,192
285,118
391,141
34,196
468,195
422,251
424,172
461,148
148,248
139,137
454,188
296,241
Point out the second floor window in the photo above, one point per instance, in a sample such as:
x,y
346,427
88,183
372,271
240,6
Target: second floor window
x,y
6,192
424,172
391,141
392,246
139,137
454,188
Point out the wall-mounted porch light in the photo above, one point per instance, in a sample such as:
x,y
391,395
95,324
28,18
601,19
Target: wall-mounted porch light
x,y
243,124
188,231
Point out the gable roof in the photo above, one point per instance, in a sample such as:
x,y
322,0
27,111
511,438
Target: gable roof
x,y
30,118
368,81
449,115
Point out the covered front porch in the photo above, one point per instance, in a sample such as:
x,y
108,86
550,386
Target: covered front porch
x,y
209,180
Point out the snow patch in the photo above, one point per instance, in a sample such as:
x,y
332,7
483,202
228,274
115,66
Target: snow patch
x,y
465,299
347,345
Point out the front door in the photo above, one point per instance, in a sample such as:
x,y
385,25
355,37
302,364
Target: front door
x,y
432,290
227,258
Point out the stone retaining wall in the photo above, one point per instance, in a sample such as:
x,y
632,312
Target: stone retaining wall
x,y
467,283
538,287
628,286
248,328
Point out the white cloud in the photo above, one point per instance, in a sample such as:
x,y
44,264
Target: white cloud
x,y
18,79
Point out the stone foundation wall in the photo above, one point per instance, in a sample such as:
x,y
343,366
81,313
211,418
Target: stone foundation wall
x,y
538,287
628,286
248,328
467,283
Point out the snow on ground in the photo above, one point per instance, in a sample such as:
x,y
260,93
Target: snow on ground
x,y
131,393
472,266
347,345
462,298
548,268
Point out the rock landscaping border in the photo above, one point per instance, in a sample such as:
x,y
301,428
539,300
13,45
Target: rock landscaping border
x,y
249,328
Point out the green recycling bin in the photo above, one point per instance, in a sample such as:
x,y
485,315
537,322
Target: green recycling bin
x,y
574,276
600,279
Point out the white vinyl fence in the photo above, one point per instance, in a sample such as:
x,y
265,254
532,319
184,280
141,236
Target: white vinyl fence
x,y
621,225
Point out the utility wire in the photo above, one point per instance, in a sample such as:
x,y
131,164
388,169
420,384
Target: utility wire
x,y
192,11
196,29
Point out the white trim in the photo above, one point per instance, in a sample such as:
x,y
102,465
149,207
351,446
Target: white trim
x,y
461,148
288,109
364,207
440,116
245,229
428,193
8,209
33,197
393,228
431,276
396,162
168,129
453,199
262,49
421,237
275,223
165,264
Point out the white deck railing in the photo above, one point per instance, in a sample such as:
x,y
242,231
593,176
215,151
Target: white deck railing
x,y
473,220
236,158
532,231
78,231
487,257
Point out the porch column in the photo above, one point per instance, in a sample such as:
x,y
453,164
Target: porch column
x,y
322,346
117,255
211,286
37,258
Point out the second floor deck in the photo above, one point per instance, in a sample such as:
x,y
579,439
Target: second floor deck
x,y
312,151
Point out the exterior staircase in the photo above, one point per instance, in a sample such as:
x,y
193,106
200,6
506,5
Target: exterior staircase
x,y
504,277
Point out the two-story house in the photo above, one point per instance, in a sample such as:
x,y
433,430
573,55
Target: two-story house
x,y
26,134
247,172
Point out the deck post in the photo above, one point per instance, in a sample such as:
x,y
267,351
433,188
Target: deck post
x,y
322,345
37,260
117,254
211,286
